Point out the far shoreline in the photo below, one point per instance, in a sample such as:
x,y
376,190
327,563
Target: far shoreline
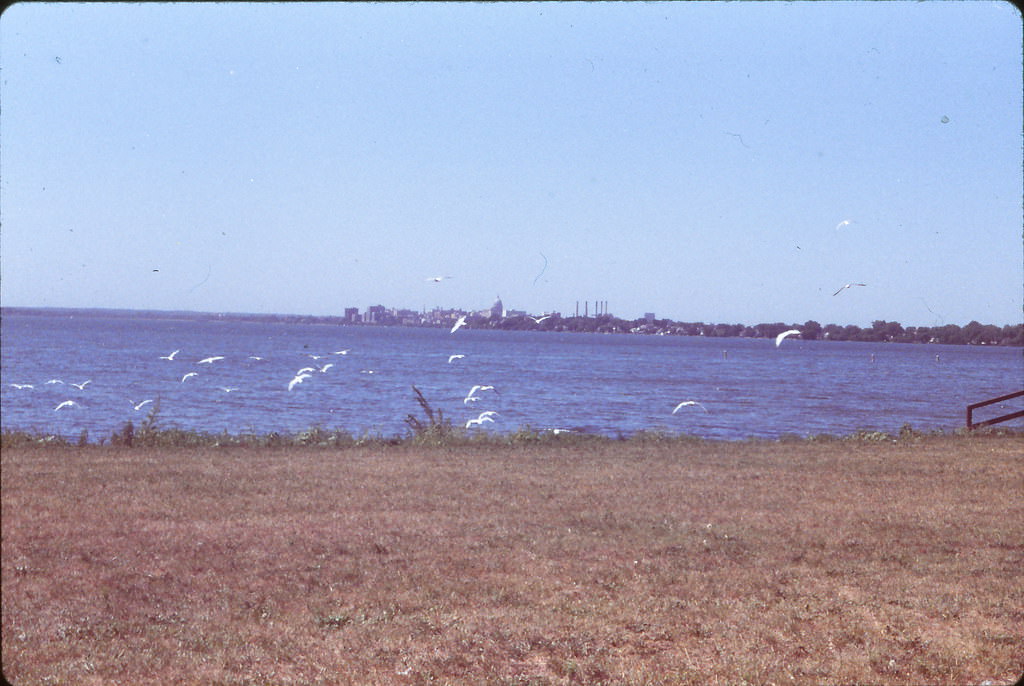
x,y
973,333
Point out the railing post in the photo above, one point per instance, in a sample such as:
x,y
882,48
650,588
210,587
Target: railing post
x,y
990,401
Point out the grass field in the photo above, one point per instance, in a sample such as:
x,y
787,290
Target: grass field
x,y
614,562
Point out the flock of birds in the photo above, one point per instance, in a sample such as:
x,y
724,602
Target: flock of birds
x,y
308,372
300,376
52,382
321,365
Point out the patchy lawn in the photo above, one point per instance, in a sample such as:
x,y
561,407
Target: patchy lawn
x,y
635,562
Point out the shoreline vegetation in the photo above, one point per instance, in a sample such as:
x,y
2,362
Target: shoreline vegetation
x,y
454,437
432,430
564,560
972,333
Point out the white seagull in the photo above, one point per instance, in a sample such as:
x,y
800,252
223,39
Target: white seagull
x,y
66,403
327,366
189,375
454,357
484,417
299,378
22,386
782,336
845,222
171,356
460,322
849,285
53,381
687,403
437,279
471,397
81,386
305,370
341,352
210,360
139,406
540,319
227,389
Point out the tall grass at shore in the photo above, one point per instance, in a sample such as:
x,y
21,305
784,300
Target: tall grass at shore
x,y
433,429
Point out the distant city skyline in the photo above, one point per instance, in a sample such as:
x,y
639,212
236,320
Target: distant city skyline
x,y
716,161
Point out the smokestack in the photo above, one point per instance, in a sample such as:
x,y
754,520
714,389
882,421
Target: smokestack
x,y
577,308
586,306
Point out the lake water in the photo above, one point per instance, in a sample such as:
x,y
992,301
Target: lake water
x,y
606,384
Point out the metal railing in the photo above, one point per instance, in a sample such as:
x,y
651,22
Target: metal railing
x,y
971,424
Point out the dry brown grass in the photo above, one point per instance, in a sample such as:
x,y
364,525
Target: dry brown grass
x,y
843,562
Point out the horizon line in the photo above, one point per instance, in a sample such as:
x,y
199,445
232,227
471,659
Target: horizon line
x,y
453,309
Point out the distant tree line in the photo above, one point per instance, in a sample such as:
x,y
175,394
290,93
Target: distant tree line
x,y
973,333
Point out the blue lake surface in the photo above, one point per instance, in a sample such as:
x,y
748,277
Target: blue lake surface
x,y
606,384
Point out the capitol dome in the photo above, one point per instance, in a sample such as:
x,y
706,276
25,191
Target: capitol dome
x,y
497,309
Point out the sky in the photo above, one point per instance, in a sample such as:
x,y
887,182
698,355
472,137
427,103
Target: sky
x,y
726,162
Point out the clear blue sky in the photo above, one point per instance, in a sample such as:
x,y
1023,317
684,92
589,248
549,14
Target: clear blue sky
x,y
695,160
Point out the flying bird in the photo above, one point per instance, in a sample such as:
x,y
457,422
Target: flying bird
x,y
540,319
66,403
139,406
299,378
687,403
782,336
454,357
210,360
460,322
326,367
484,417
22,386
54,381
227,389
437,279
849,285
341,352
81,386
171,356
471,397
845,222
189,375
305,370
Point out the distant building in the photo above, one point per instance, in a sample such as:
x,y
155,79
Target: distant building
x,y
408,317
649,316
351,314
374,314
497,309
